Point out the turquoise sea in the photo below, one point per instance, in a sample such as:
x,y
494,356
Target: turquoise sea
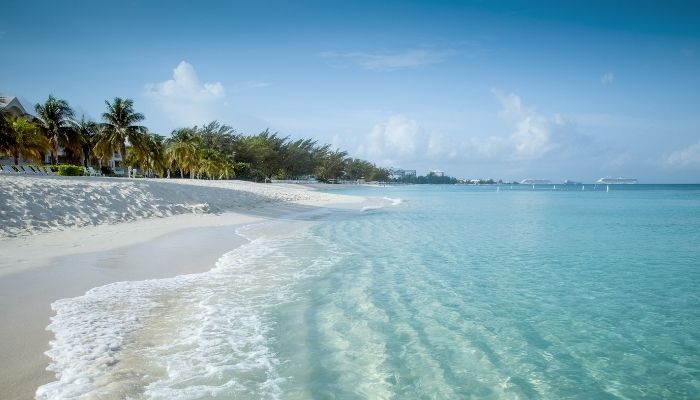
x,y
454,292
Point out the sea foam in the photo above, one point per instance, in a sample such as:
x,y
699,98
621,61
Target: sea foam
x,y
191,336
386,202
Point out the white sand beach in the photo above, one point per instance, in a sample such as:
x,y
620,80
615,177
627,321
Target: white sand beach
x,y
61,236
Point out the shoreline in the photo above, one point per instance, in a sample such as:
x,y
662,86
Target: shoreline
x,y
39,269
26,296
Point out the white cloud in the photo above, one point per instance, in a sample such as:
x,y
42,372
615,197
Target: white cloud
x,y
689,156
402,141
185,99
395,139
438,145
390,61
607,78
535,135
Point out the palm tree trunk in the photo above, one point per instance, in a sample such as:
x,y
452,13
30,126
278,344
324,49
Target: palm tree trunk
x,y
123,150
54,149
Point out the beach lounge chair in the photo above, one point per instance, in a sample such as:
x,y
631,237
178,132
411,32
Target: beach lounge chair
x,y
94,172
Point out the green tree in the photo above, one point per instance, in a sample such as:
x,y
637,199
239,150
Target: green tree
x,y
332,166
214,165
263,152
298,157
88,133
6,138
148,154
379,174
182,151
216,136
22,138
120,124
55,120
356,168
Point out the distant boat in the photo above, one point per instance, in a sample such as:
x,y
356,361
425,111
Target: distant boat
x,y
568,182
535,182
617,181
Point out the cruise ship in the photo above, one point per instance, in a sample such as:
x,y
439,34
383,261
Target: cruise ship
x,y
617,181
535,182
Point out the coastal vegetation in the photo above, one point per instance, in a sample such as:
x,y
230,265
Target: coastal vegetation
x,y
21,138
431,178
69,170
54,119
119,125
210,151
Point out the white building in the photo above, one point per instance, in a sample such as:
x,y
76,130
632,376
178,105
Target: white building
x,y
437,172
12,106
398,173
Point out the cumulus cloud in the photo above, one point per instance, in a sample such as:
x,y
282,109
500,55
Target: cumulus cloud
x,y
185,99
378,61
401,140
607,78
395,139
535,135
689,156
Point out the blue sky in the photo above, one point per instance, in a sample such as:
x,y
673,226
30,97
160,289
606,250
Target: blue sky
x,y
513,90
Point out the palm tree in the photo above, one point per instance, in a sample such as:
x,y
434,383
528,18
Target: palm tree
x,y
120,125
214,165
87,131
23,139
148,154
183,152
6,138
54,118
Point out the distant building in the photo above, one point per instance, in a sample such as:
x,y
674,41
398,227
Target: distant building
x,y
437,172
398,174
12,106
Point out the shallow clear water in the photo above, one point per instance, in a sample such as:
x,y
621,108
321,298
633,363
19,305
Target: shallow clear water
x,y
457,292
